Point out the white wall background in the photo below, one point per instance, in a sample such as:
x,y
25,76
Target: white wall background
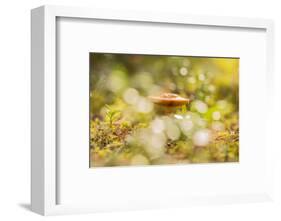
x,y
15,107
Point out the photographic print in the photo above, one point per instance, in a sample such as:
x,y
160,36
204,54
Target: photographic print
x,y
163,109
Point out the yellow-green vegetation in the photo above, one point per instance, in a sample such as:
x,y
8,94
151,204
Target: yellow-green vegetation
x,y
127,127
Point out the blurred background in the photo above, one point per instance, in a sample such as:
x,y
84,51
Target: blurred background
x,y
127,127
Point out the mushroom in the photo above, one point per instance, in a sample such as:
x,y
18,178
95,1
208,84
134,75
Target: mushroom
x,y
169,100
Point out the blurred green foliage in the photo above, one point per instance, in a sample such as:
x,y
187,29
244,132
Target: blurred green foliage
x,y
126,128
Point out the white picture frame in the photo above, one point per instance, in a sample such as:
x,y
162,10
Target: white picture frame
x,y
44,168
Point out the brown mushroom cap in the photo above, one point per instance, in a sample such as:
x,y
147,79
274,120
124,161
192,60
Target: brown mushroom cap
x,y
169,100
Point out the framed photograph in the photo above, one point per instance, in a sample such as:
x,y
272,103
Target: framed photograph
x,y
136,110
